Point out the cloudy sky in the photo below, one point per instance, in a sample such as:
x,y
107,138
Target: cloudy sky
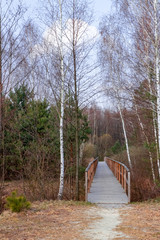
x,y
100,7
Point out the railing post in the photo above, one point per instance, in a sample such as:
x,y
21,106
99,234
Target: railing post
x,y
123,177
86,186
129,187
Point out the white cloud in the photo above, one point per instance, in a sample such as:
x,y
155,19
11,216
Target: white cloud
x,y
84,33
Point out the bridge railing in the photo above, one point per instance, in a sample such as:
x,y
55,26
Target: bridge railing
x,y
89,175
122,173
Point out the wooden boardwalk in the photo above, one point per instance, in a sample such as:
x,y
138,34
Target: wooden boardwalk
x,y
105,188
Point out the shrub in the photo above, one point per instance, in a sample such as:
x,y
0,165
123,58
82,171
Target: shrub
x,y
89,151
17,203
81,171
116,148
104,146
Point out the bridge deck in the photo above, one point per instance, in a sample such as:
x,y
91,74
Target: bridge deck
x,y
105,188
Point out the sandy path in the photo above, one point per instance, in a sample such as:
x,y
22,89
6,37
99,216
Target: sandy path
x,y
103,228
62,221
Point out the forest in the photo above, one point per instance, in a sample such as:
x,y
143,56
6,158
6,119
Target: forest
x,y
53,70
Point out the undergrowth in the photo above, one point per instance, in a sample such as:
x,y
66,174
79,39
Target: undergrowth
x,y
17,203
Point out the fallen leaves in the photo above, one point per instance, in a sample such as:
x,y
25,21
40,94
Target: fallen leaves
x,y
141,221
46,220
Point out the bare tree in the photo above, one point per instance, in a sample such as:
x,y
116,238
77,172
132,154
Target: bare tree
x,y
80,49
67,43
143,19
112,59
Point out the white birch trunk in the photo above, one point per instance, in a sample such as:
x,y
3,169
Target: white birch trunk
x,y
150,154
154,127
122,119
156,141
61,186
125,136
157,74
1,131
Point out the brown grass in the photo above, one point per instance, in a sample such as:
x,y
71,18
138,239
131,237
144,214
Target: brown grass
x,y
141,221
47,190
46,220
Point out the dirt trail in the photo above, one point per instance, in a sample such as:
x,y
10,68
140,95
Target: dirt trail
x,y
104,227
138,221
60,221
78,221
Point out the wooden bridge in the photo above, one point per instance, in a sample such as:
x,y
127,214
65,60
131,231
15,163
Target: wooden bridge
x,y
107,182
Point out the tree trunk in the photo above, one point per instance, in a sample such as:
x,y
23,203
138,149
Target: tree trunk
x,y
76,107
1,134
157,74
61,186
150,154
125,136
154,127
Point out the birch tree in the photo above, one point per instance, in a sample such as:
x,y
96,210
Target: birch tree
x,y
68,41
112,60
143,21
61,186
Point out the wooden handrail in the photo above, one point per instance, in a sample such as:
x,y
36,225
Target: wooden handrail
x,y
89,174
122,173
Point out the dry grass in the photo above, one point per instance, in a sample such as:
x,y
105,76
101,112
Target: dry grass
x,y
35,190
141,221
46,220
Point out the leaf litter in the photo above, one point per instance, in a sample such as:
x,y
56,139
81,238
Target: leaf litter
x,y
140,221
56,220
46,220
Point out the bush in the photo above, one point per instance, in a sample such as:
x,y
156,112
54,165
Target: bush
x,y
116,148
89,151
81,171
17,203
104,146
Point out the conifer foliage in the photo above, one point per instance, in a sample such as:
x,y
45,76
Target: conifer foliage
x,y
17,203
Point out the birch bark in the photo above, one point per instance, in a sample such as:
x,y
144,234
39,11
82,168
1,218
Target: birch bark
x,y
154,128
157,73
61,186
125,135
146,138
3,162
